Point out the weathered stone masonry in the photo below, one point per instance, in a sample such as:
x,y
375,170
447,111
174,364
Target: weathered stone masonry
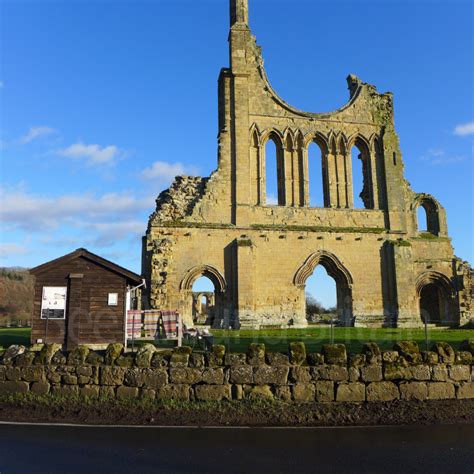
x,y
388,272
330,376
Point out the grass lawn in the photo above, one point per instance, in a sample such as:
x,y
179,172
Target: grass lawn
x,y
277,340
9,336
354,338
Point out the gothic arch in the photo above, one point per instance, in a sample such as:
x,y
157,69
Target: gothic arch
x,y
288,135
278,140
420,198
289,142
319,171
330,262
372,140
367,193
332,143
380,171
300,169
359,141
342,144
436,298
299,138
255,132
256,170
432,209
341,276
254,138
436,278
319,139
376,143
204,270
272,134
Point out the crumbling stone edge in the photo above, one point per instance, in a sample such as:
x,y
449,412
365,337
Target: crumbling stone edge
x,y
405,373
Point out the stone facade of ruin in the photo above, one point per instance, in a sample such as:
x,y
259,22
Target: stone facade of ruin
x,y
203,307
259,255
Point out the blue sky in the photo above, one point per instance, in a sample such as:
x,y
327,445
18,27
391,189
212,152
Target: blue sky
x,y
103,102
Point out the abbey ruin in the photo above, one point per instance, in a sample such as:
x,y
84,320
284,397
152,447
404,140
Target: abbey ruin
x,y
259,254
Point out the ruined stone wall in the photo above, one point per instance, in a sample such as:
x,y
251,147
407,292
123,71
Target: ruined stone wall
x,y
274,297
224,227
278,299
465,280
330,376
179,200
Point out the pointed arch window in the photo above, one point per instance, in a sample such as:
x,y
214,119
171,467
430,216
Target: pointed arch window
x,y
274,172
362,175
428,216
316,176
256,169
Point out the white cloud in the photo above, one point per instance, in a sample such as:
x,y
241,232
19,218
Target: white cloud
x,y
36,132
52,240
271,200
437,156
7,250
109,232
31,212
464,129
166,172
93,154
75,220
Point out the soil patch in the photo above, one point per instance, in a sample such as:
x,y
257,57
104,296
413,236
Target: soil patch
x,y
243,413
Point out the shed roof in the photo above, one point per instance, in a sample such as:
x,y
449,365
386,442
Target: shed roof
x,y
130,276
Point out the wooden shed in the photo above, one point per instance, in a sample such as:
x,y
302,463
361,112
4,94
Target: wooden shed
x,y
81,298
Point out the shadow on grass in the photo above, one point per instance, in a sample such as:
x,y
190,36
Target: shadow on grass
x,y
10,336
278,340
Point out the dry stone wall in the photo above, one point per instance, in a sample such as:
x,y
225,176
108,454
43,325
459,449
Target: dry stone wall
x,y
297,377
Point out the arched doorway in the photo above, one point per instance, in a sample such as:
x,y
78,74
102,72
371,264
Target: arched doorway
x,y
436,297
341,276
202,291
430,304
321,296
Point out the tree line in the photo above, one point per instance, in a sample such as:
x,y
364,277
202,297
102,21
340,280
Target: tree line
x,y
16,297
316,312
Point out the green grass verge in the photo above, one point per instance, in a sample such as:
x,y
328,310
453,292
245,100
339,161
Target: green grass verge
x,y
9,336
277,340
72,402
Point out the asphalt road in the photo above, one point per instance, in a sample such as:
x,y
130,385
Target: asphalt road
x,y
426,449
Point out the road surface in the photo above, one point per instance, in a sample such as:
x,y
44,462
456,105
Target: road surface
x,y
63,449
